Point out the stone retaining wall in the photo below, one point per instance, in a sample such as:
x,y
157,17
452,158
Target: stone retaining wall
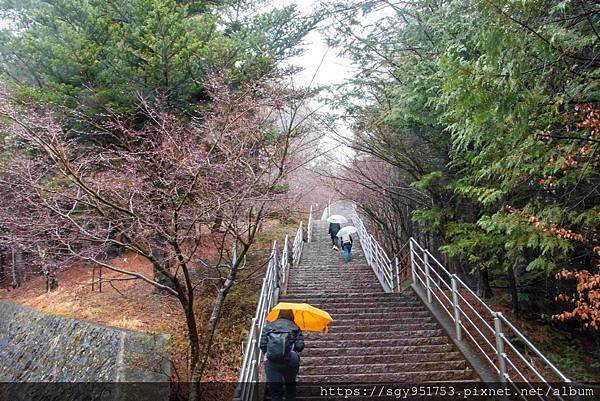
x,y
36,347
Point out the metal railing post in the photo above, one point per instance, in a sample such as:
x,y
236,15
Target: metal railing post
x,y
500,346
456,308
412,261
256,359
397,264
309,229
285,252
427,279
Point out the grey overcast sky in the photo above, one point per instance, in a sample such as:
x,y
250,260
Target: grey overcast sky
x,y
333,69
321,67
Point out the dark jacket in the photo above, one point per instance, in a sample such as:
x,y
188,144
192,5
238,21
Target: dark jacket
x,y
282,325
334,228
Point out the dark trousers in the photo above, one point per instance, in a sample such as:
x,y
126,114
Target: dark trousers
x,y
334,240
280,374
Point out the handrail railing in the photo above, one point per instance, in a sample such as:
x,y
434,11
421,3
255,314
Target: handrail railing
x,y
274,284
249,374
327,211
309,225
297,245
384,269
489,333
284,263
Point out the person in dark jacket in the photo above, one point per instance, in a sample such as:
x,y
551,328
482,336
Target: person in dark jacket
x,y
333,230
280,373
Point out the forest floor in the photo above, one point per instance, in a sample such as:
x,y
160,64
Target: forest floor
x,y
136,305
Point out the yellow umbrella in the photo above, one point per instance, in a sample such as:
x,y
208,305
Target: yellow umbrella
x,y
306,316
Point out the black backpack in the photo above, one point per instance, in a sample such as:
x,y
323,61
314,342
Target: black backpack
x,y
279,345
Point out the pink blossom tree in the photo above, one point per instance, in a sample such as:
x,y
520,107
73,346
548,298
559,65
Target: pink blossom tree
x,y
152,184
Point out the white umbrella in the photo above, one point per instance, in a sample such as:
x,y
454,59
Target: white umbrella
x,y
336,218
347,231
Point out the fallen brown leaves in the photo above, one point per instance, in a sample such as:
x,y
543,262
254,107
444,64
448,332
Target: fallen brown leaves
x,y
586,300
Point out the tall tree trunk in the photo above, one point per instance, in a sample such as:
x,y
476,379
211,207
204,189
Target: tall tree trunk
x,y
160,256
483,283
218,222
51,280
2,265
15,278
211,329
512,286
190,319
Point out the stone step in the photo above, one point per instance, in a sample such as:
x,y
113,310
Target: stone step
x,y
350,287
363,335
360,306
326,249
379,296
331,281
334,352
331,287
374,307
336,265
390,376
332,297
339,275
332,263
380,317
333,276
424,356
378,320
383,368
388,342
319,292
328,253
331,255
329,263
381,328
351,305
405,323
357,271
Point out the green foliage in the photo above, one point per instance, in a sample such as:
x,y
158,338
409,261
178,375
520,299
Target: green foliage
x,y
491,109
95,53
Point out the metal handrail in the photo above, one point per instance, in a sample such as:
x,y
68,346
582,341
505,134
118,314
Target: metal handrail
x,y
387,272
327,211
297,245
249,373
494,336
309,225
284,266
274,284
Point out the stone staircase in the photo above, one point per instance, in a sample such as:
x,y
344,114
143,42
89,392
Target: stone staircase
x,y
375,337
